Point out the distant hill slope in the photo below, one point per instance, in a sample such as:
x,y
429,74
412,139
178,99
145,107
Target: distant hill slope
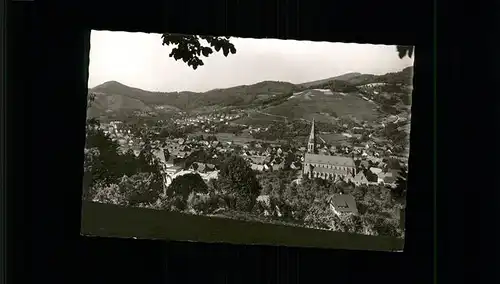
x,y
114,99
405,76
133,98
345,77
273,97
309,104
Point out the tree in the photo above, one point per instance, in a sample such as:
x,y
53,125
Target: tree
x,y
90,99
289,159
405,50
359,192
319,215
399,192
141,188
238,183
381,226
105,166
90,162
203,203
184,185
190,49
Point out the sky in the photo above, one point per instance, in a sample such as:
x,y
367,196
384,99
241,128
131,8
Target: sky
x,y
140,60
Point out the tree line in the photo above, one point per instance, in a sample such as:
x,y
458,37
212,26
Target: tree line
x,y
125,179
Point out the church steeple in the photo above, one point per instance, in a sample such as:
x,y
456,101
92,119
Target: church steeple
x,y
311,143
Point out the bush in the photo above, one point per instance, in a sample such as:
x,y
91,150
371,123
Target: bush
x,y
140,188
203,203
186,184
350,224
238,184
381,226
175,203
110,194
320,216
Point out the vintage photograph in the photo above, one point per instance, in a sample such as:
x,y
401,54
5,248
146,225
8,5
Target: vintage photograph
x,y
295,133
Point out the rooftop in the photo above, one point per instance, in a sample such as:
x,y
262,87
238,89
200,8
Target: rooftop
x,y
330,160
344,203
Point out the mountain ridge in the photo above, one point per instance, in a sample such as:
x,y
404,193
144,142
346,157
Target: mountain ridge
x,y
350,76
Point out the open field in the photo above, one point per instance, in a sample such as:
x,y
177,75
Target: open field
x,y
333,138
230,137
335,105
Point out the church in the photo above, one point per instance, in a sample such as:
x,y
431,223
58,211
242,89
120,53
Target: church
x,y
324,166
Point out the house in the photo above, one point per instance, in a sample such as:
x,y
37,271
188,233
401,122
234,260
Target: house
x,y
375,170
259,160
170,173
185,148
209,175
137,152
294,166
278,167
257,167
159,155
202,167
343,204
389,178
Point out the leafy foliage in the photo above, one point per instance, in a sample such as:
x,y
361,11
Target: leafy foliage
x,y
399,192
186,184
190,49
204,203
140,188
109,194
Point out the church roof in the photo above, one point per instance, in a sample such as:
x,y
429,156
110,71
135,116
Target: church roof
x,y
325,170
312,134
360,176
330,160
